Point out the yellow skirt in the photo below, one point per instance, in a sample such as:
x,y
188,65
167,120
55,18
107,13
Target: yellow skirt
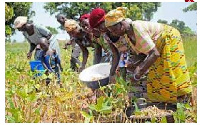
x,y
168,77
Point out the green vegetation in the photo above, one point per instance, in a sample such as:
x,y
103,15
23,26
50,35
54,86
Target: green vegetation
x,y
192,7
52,30
179,25
30,100
136,10
13,10
190,46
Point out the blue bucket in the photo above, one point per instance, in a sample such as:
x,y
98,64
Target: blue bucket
x,y
37,66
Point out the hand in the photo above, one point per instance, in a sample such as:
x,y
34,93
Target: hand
x,y
117,71
47,72
66,45
61,69
81,69
29,55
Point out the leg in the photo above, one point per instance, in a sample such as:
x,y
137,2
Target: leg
x,y
57,71
73,64
123,73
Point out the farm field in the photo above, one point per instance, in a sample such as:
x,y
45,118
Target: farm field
x,y
29,100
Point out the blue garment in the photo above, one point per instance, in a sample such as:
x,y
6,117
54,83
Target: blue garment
x,y
123,59
52,62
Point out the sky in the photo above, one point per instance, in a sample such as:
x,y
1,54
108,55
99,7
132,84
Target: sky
x,y
168,11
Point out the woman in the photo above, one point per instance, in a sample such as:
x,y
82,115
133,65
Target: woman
x,y
79,36
75,47
101,47
82,38
84,22
168,77
97,23
33,33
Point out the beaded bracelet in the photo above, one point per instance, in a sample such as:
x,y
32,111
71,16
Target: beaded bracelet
x,y
135,78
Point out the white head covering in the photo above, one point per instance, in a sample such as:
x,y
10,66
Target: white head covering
x,y
20,21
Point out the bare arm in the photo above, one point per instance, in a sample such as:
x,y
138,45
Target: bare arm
x,y
98,53
32,47
115,56
148,61
144,66
85,54
115,59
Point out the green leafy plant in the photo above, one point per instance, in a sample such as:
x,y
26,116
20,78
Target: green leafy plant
x,y
29,100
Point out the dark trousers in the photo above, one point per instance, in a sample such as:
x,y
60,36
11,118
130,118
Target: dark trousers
x,y
123,71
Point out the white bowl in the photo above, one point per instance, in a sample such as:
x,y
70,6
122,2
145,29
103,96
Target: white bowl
x,y
95,72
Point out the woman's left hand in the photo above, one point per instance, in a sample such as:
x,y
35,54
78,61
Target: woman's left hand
x,y
81,69
29,55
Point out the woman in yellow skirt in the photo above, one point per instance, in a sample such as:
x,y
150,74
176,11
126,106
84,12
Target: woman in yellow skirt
x,y
168,77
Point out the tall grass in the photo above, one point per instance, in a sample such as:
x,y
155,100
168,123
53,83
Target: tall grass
x,y
190,47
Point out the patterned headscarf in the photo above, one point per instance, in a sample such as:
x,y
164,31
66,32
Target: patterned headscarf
x,y
71,25
115,16
20,21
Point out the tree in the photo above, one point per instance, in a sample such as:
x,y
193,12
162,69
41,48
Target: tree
x,y
8,15
179,25
8,12
192,7
188,31
162,21
13,10
73,10
52,30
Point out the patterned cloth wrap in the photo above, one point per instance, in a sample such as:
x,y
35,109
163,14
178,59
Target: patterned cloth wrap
x,y
168,78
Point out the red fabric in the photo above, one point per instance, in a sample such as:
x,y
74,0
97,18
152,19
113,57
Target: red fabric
x,y
84,16
96,17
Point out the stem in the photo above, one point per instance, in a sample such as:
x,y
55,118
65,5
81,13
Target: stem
x,y
29,119
98,118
